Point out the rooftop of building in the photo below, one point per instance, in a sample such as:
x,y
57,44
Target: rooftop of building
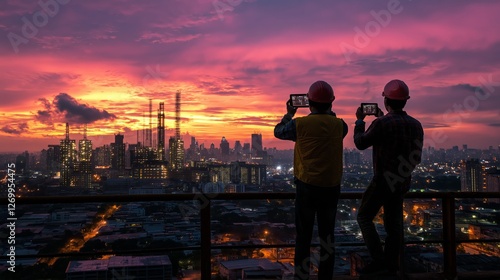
x,y
263,264
116,262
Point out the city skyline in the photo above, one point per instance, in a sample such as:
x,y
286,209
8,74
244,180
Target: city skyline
x,y
236,73
130,138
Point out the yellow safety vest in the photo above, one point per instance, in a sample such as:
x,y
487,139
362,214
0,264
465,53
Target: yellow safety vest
x,y
318,150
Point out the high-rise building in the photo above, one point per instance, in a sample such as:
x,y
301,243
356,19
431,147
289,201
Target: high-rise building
x,y
238,147
176,153
68,160
22,163
84,164
176,144
118,156
194,145
102,156
193,153
256,144
42,161
150,169
224,146
246,148
472,176
54,158
247,173
493,183
161,132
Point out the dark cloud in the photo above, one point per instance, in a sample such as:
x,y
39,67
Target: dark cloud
x,y
15,129
79,113
44,117
66,108
494,124
45,103
461,98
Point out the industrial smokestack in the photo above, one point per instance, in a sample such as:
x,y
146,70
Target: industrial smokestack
x,y
178,114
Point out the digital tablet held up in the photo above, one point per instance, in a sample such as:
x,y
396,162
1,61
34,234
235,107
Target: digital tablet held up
x,y
299,100
369,108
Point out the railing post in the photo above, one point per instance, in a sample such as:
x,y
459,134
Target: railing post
x,y
206,236
449,236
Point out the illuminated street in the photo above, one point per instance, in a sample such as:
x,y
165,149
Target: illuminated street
x,y
74,245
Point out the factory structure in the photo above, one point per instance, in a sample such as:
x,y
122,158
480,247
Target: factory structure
x,y
149,158
146,159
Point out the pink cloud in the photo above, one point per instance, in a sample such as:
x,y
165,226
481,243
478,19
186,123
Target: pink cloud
x,y
237,71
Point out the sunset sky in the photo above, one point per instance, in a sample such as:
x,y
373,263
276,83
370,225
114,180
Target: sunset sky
x,y
236,62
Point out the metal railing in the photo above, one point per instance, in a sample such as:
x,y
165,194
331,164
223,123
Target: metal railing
x,y
449,240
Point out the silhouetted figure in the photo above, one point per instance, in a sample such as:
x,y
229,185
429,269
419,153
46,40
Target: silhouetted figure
x,y
318,172
397,141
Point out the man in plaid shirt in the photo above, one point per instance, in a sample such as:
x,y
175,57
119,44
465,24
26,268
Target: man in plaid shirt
x,y
397,140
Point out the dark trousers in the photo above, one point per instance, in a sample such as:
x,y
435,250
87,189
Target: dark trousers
x,y
379,195
310,202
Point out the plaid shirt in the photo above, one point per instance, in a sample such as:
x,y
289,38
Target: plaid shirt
x,y
397,141
287,130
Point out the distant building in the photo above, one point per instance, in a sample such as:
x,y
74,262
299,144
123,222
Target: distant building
x,y
238,147
161,133
352,157
68,160
54,158
252,269
248,173
224,147
122,267
234,188
472,179
176,153
22,163
42,161
246,148
257,147
193,153
150,169
493,183
237,172
102,156
258,154
118,156
84,178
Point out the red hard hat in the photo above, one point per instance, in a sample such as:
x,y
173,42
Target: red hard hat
x,y
397,90
320,92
